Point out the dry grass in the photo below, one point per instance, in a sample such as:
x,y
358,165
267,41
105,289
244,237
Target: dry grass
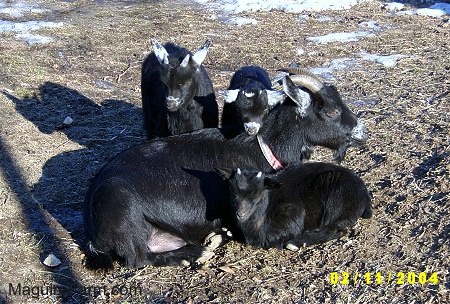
x,y
92,73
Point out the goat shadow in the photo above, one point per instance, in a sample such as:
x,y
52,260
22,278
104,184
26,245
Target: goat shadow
x,y
216,192
102,130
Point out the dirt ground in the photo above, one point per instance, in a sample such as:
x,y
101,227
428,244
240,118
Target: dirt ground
x,y
91,72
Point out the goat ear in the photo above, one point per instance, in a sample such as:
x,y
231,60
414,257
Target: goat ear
x,y
185,61
300,97
160,52
229,96
200,55
225,173
275,97
270,183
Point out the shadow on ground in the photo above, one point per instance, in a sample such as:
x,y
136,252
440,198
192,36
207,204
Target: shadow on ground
x,y
52,207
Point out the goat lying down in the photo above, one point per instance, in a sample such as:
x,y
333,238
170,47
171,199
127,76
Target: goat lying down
x,y
155,203
305,203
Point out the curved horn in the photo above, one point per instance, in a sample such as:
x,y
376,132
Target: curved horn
x,y
312,83
301,71
304,78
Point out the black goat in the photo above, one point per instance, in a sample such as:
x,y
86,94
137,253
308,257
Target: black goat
x,y
248,99
156,202
177,94
322,102
303,204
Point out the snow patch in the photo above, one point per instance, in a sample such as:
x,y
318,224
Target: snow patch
x,y
430,12
340,37
445,7
394,6
325,19
239,21
437,10
291,6
387,61
19,9
24,29
371,24
326,71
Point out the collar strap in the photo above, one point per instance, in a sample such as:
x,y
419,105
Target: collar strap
x,y
268,154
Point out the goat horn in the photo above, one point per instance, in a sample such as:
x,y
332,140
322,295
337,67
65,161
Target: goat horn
x,y
310,82
304,78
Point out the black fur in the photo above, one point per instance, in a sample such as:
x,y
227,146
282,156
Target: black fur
x,y
191,83
328,116
168,185
244,109
303,204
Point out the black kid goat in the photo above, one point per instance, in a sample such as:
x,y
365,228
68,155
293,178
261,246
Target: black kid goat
x,y
305,203
248,99
177,94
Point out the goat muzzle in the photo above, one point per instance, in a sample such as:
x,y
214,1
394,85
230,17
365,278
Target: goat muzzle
x,y
173,103
359,134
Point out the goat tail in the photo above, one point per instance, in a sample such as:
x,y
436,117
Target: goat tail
x,y
96,258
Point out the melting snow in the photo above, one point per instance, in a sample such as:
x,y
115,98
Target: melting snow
x,y
387,61
340,37
24,29
436,10
292,6
239,21
430,12
326,71
19,9
394,6
373,25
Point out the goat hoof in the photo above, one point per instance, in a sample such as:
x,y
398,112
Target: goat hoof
x,y
214,242
228,232
208,238
206,256
292,247
185,263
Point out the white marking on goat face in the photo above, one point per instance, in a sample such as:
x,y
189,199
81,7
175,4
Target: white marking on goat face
x,y
359,132
252,128
172,103
160,52
249,94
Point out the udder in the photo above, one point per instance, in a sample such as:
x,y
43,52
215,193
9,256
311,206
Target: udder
x,y
162,241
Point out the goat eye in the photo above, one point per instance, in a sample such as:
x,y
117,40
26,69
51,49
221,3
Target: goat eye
x,y
332,113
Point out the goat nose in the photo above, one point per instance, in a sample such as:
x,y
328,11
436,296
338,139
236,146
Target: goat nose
x,y
172,103
252,128
359,132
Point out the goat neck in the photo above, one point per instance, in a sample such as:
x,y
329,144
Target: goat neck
x,y
283,134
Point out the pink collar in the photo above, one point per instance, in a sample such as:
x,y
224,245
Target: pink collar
x,y
268,154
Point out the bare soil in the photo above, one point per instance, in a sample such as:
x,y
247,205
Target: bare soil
x,y
91,72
